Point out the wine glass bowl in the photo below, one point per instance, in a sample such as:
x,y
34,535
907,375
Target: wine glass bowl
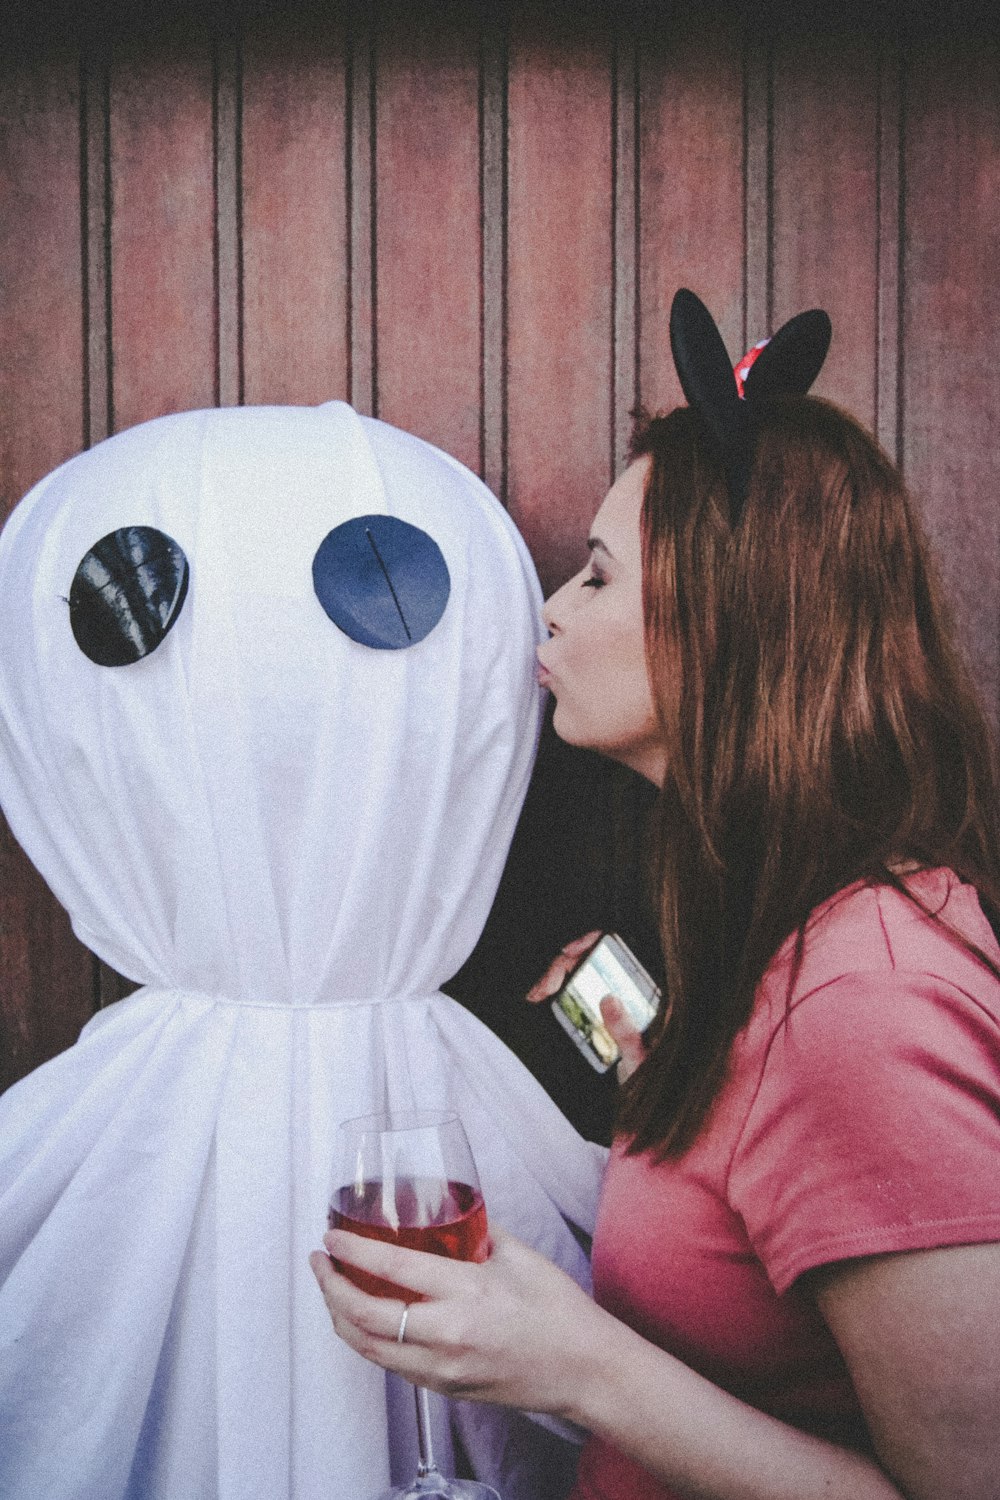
x,y
408,1178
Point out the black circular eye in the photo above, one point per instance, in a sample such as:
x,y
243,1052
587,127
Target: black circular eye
x,y
382,581
127,594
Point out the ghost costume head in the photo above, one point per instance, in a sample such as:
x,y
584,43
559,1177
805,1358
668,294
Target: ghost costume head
x,y
294,797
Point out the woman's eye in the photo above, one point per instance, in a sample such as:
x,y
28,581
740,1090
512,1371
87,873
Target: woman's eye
x,y
595,581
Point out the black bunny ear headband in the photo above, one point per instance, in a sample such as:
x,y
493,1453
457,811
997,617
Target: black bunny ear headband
x,y
786,364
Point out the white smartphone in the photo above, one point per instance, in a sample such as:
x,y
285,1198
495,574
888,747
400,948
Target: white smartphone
x,y
610,968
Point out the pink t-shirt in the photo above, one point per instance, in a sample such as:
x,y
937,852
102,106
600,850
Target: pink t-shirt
x,y
861,1117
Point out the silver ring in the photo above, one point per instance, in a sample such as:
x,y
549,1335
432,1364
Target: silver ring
x,y
401,1330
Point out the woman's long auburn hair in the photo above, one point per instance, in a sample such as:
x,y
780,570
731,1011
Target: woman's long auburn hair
x,y
819,726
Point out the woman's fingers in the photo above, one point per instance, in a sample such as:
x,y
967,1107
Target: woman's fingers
x,y
418,1271
360,1318
564,962
378,1316
630,1042
370,1325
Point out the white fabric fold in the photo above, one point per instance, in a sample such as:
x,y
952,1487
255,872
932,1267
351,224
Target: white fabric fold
x,y
291,841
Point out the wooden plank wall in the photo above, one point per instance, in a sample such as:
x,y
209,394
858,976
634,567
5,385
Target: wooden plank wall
x,y
471,223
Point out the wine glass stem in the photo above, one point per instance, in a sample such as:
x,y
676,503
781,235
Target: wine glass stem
x,y
427,1467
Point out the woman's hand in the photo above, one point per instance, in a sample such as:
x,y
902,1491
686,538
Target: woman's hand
x,y
613,1012
561,967
515,1330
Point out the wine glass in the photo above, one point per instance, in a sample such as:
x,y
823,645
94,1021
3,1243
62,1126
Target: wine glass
x,y
408,1177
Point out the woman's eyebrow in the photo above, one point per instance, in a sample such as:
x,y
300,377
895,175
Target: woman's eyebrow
x,y
594,544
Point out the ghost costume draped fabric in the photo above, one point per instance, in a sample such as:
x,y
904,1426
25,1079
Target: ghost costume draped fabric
x,y
290,840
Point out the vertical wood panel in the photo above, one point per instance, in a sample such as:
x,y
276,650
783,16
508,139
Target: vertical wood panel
x,y
41,387
362,197
95,188
427,222
163,226
626,244
889,245
95,199
560,389
227,111
952,322
758,184
493,200
46,977
826,210
691,184
295,251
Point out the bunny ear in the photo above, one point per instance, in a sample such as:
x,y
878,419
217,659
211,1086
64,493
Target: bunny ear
x,y
707,380
704,367
790,361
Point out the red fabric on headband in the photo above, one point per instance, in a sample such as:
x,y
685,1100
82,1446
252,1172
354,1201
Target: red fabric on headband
x,y
742,370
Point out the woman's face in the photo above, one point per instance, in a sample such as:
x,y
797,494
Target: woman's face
x,y
595,662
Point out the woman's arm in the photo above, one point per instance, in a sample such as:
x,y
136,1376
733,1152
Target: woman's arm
x,y
921,1338
918,1334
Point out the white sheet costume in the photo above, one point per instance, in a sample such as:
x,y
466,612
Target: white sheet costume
x,y
291,839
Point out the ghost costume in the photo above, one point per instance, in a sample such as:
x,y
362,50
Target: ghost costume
x,y
291,840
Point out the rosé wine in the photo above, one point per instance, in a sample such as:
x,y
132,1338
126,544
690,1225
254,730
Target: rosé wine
x,y
419,1214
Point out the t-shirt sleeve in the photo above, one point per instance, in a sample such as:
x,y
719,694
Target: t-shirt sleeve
x,y
875,1126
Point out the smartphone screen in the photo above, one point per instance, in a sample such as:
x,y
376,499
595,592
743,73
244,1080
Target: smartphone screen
x,y
610,968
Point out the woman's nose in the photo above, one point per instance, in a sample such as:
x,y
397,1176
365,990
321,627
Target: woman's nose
x,y
551,609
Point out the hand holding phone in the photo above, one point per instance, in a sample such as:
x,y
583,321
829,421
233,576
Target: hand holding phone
x,y
609,968
559,970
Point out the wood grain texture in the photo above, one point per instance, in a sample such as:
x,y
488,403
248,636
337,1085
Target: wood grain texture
x,y
825,197
951,330
888,352
227,152
427,226
362,198
625,256
294,210
493,292
560,288
163,291
95,192
46,977
758,177
41,329
691,184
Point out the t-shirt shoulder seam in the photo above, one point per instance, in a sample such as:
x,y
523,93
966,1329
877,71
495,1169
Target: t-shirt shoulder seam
x,y
766,1052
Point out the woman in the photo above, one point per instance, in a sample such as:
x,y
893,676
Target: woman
x,y
797,1240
